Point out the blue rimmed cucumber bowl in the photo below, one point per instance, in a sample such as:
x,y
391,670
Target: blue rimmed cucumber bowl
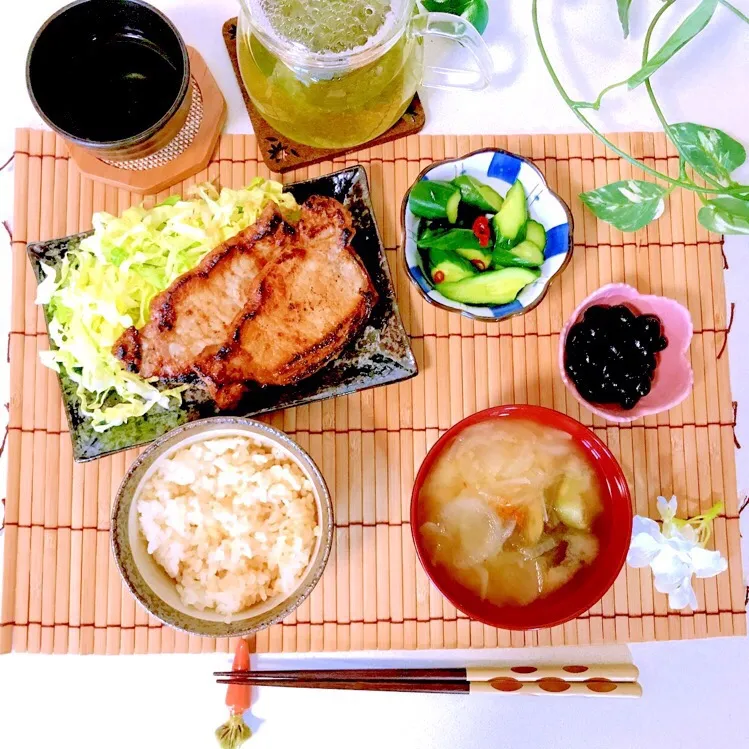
x,y
500,170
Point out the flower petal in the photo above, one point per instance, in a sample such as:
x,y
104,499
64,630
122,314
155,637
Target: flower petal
x,y
667,508
683,597
642,550
663,585
707,563
647,526
670,568
678,541
668,583
688,533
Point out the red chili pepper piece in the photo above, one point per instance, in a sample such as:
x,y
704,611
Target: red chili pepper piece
x,y
481,230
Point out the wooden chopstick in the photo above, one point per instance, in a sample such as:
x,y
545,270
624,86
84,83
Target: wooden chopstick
x,y
354,674
449,686
596,680
554,687
617,672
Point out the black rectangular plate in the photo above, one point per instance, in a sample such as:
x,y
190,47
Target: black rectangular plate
x,y
380,355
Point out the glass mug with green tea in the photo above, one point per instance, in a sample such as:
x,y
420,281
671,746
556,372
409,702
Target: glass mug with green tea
x,y
337,73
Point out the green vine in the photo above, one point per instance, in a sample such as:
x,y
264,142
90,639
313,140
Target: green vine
x,y
734,10
709,153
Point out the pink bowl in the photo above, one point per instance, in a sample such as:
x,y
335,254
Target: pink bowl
x,y
673,376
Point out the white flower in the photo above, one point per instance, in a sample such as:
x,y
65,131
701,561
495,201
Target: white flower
x,y
667,508
675,551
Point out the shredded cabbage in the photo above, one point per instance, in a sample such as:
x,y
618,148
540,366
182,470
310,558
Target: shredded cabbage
x,y
107,283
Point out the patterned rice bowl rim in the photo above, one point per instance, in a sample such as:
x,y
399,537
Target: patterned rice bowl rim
x,y
500,169
150,585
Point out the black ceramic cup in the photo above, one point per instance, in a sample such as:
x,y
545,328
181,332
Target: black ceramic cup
x,y
111,76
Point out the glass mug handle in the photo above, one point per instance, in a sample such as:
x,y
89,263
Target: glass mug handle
x,y
455,28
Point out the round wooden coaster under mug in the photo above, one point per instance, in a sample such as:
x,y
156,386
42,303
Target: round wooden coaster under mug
x,y
137,108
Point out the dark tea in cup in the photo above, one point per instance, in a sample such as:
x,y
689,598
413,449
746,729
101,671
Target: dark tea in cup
x,y
112,76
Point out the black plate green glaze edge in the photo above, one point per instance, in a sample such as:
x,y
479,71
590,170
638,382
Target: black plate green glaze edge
x,y
380,354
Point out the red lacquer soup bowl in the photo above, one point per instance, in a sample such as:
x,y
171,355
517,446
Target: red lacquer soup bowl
x,y
613,527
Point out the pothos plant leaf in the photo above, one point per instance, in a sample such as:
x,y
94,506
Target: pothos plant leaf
x,y
623,8
711,153
628,205
687,30
709,150
726,215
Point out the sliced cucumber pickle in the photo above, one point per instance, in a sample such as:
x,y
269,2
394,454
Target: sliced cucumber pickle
x,y
524,255
434,199
536,233
493,287
478,194
509,222
448,266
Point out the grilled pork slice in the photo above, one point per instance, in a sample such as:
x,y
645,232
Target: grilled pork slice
x,y
199,307
307,304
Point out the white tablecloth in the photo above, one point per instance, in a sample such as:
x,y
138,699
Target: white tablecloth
x,y
695,692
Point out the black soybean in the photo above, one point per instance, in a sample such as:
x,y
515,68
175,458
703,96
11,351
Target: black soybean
x,y
650,327
623,316
610,354
596,313
643,387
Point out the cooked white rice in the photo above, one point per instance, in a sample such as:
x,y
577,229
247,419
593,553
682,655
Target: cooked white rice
x,y
232,520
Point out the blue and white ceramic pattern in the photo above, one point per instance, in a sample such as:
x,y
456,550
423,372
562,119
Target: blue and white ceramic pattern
x,y
499,169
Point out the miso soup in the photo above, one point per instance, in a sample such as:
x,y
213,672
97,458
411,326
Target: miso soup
x,y
509,510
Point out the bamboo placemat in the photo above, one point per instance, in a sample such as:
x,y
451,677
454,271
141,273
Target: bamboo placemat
x,y
61,590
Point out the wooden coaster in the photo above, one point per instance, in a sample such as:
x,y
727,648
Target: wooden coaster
x,y
281,154
186,154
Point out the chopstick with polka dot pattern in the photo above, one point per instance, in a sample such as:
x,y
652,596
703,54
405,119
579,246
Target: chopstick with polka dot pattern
x,y
599,680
